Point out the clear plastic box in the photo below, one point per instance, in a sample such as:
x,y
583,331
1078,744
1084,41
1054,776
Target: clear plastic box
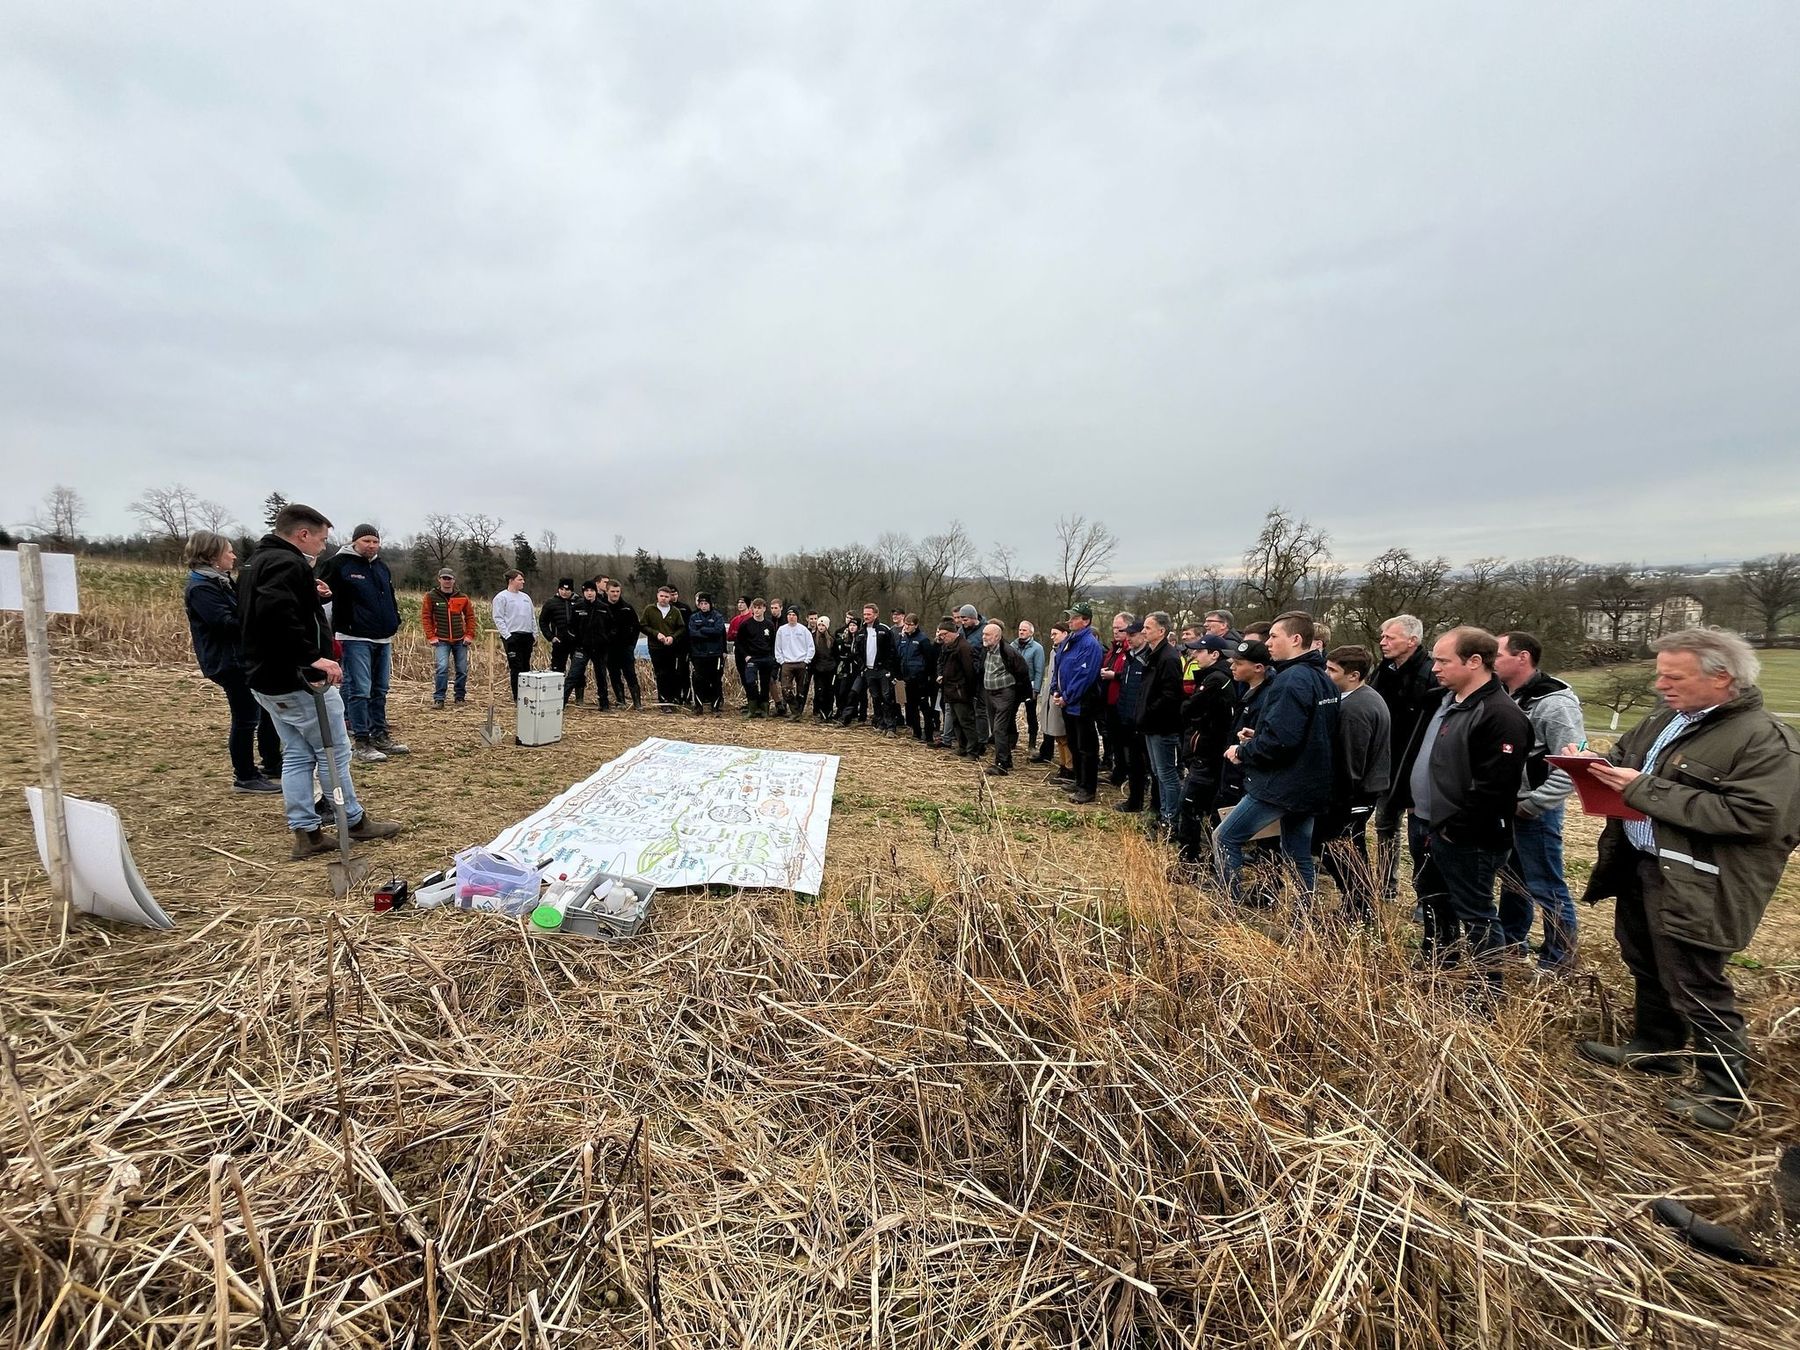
x,y
495,881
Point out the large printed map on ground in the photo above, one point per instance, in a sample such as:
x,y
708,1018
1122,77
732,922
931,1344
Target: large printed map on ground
x,y
678,814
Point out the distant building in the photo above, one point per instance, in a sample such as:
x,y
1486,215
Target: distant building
x,y
1642,621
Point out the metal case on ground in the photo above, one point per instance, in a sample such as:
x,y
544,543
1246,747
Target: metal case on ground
x,y
540,711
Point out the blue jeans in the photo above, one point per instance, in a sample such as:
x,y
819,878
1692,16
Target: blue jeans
x,y
1164,752
303,751
1533,879
443,653
1241,825
367,666
1455,886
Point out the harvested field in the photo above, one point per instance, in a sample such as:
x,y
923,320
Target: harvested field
x,y
1004,1084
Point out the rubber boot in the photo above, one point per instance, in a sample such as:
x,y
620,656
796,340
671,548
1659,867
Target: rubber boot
x,y
1723,1093
1638,1055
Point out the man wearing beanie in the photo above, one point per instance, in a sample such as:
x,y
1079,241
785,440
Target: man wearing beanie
x,y
365,615
557,621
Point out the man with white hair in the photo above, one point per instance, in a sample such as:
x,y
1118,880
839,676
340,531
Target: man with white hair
x,y
1408,686
1717,778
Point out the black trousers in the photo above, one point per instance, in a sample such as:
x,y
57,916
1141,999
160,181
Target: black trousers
x,y
1682,989
921,707
1031,727
252,736
824,689
621,668
664,664
1003,717
560,651
1137,764
709,680
518,658
959,720
1084,748
1341,839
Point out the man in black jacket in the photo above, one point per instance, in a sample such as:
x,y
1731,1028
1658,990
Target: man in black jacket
x,y
1460,780
1362,770
756,639
588,636
365,615
1159,716
1406,684
284,634
875,663
958,683
557,622
621,646
1207,716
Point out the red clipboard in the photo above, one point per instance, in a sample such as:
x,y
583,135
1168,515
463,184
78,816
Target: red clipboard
x,y
1597,798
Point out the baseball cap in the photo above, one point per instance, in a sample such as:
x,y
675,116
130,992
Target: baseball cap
x,y
446,572
1083,608
1213,642
1255,652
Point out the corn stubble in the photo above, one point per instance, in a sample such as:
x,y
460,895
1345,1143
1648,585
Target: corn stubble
x,y
1017,1110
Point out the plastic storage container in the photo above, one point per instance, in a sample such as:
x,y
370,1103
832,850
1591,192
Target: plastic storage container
x,y
589,918
495,881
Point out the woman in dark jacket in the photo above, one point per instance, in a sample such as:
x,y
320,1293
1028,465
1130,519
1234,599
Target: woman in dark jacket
x,y
212,611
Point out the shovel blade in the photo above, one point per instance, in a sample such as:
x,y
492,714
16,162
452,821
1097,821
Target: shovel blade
x,y
491,731
346,876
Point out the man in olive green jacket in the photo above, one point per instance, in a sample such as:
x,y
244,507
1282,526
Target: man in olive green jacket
x,y
1719,780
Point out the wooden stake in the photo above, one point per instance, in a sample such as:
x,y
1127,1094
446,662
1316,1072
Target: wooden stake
x,y
221,1271
43,722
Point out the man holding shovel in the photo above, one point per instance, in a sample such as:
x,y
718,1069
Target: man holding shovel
x,y
284,634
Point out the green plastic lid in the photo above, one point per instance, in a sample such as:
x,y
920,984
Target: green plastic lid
x,y
547,916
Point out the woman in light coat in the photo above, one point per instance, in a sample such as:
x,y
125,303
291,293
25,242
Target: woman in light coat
x,y
1050,715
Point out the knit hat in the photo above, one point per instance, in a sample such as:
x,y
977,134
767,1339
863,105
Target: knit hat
x,y
565,583
946,625
364,531
968,612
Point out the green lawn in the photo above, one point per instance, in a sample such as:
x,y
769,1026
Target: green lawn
x,y
1780,685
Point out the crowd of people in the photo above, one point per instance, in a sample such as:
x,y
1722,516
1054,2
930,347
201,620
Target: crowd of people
x,y
1261,755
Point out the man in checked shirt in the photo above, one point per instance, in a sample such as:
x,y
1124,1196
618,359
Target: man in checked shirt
x,y
1719,780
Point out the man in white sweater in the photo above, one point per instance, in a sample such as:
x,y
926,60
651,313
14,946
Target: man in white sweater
x,y
794,652
515,619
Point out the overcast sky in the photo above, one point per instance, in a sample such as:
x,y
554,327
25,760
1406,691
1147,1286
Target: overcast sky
x,y
1510,278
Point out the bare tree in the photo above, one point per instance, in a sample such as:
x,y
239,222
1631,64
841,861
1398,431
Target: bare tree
x,y
1771,588
58,523
549,557
175,512
1614,593
1397,582
1622,688
937,563
1289,563
1086,549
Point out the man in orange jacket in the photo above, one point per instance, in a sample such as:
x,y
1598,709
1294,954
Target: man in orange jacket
x,y
449,619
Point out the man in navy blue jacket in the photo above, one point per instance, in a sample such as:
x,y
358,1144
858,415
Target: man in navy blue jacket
x,y
1074,689
365,615
1287,759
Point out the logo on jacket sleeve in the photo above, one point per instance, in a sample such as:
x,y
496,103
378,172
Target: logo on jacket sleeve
x,y
1506,747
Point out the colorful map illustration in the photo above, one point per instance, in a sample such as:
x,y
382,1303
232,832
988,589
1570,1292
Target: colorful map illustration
x,y
679,814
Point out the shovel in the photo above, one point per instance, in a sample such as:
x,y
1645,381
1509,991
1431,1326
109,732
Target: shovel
x,y
346,872
490,730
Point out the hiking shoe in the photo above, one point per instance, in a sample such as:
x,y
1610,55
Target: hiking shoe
x,y
437,704
999,771
374,829
1081,798
308,843
257,784
384,742
1128,806
1634,1055
363,750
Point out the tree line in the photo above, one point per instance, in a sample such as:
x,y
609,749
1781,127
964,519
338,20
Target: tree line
x,y
1289,564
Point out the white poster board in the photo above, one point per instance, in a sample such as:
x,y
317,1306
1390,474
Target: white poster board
x,y
107,883
59,582
680,814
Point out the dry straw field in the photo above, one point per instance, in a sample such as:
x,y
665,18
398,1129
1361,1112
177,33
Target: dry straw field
x,y
1004,1084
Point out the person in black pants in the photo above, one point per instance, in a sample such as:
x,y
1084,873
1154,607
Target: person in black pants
x,y
513,620
556,621
212,610
621,650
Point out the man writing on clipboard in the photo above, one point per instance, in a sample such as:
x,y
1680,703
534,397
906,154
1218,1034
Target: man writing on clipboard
x,y
1718,779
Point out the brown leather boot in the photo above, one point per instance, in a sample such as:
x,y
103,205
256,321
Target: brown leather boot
x,y
367,828
308,843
